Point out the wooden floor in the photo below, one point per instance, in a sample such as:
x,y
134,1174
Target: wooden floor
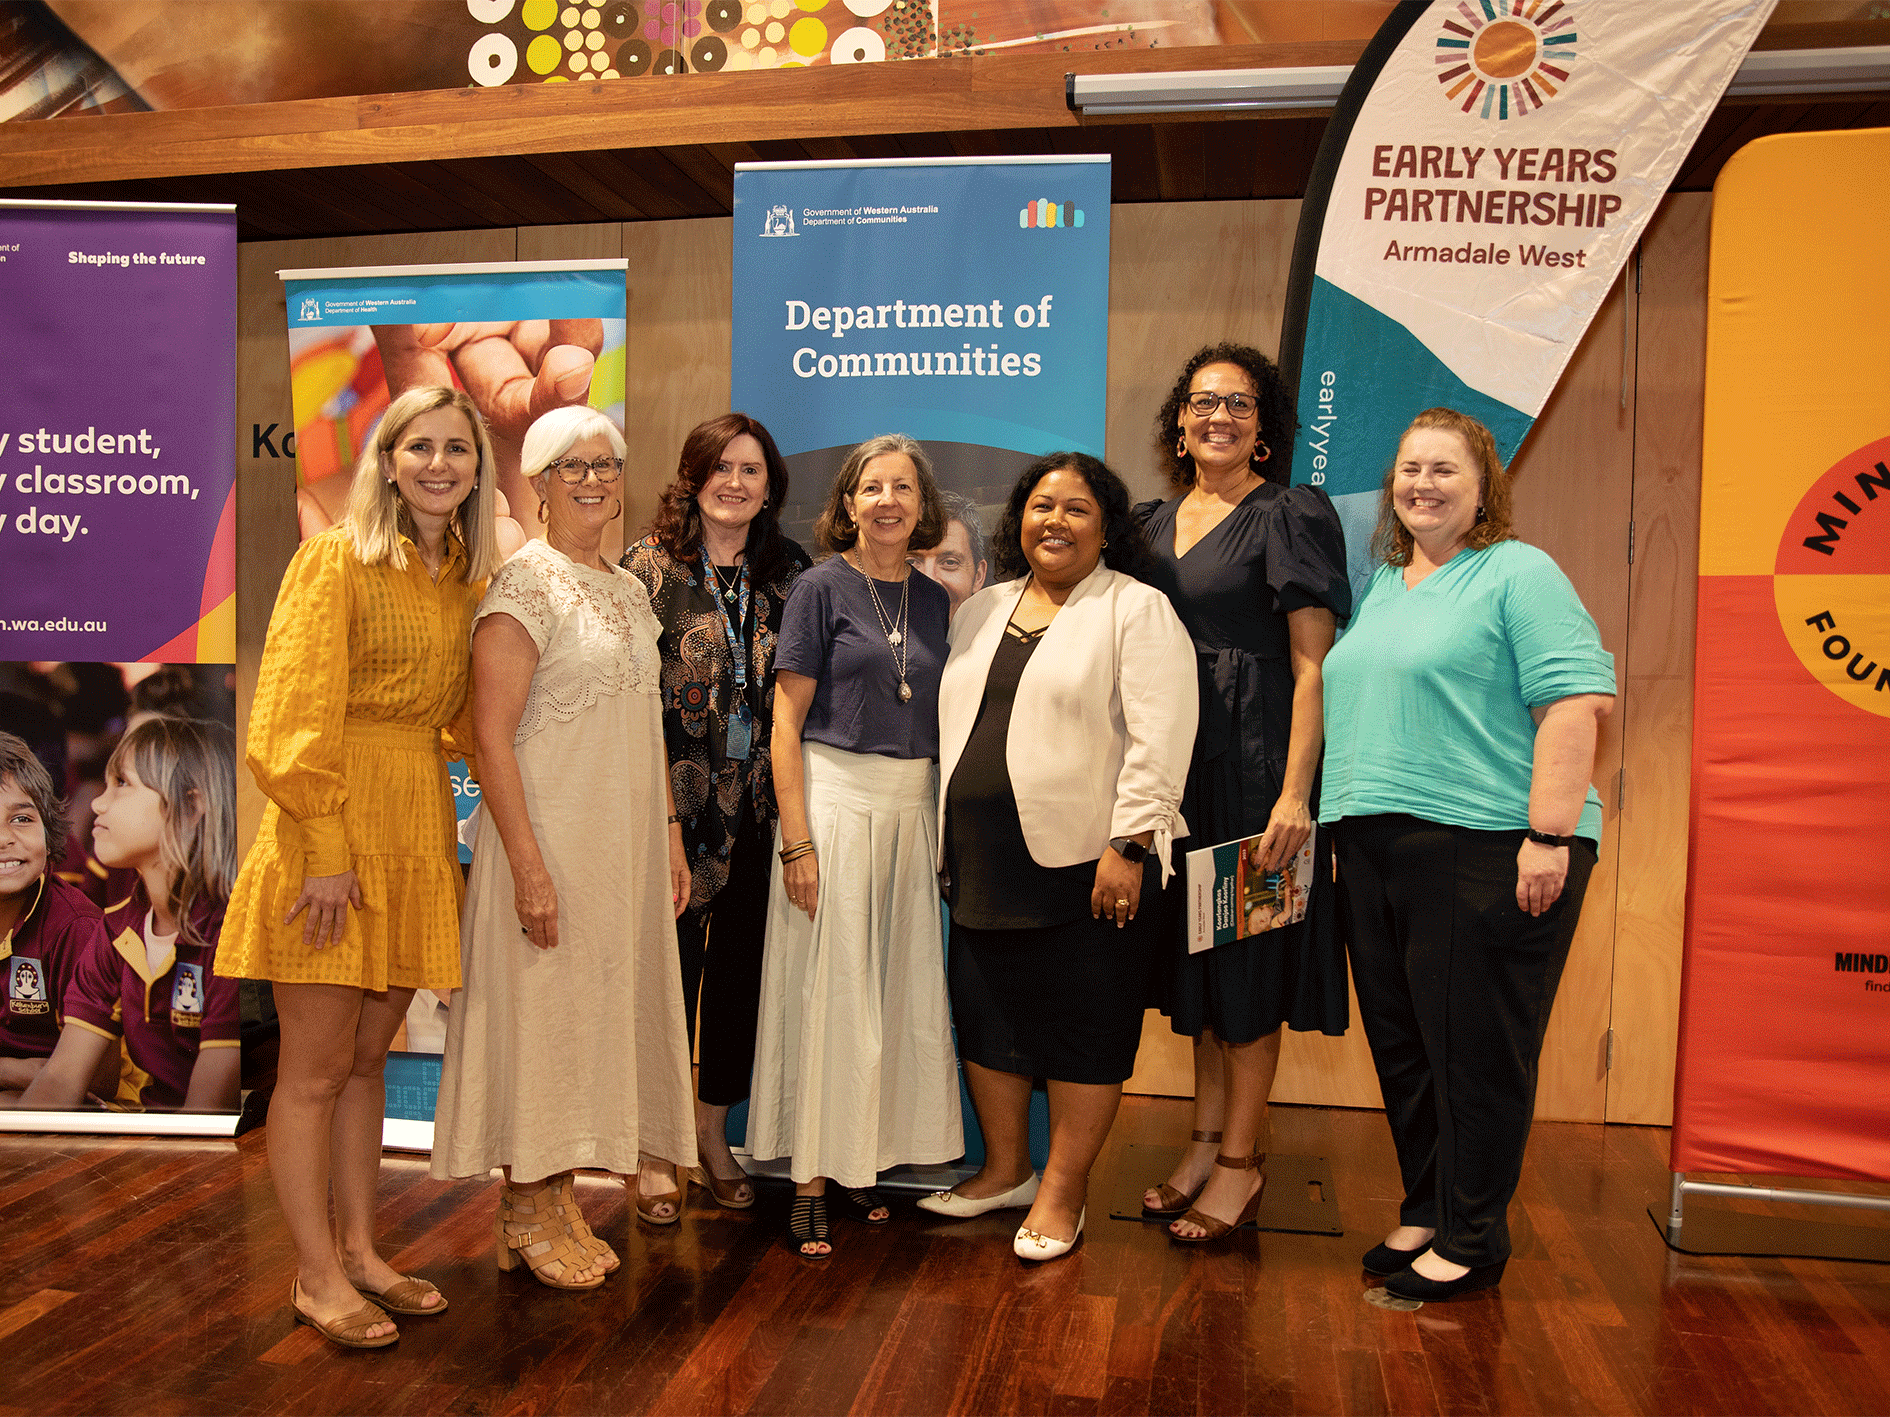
x,y
153,1277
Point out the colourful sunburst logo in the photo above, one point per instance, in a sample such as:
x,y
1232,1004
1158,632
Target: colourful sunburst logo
x,y
1508,56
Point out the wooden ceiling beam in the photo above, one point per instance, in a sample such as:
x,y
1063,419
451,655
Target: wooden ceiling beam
x,y
932,96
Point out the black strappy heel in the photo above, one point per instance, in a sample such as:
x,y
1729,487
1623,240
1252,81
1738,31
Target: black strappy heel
x,y
807,1225
859,1203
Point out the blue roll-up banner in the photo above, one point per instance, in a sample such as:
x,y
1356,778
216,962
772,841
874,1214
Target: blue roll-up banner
x,y
963,302
1489,169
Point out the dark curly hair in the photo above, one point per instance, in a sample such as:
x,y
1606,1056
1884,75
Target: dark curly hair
x,y
1278,420
1123,547
677,526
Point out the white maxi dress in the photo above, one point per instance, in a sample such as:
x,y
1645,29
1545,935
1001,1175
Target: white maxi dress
x,y
575,1056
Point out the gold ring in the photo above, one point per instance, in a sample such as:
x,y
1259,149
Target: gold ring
x,y
1122,900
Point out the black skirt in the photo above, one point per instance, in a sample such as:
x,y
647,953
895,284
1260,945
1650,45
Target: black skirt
x,y
1061,1002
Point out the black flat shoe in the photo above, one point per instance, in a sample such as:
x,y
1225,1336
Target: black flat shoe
x,y
1408,1284
1382,1260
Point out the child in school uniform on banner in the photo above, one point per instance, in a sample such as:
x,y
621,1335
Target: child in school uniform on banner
x,y
167,813
46,924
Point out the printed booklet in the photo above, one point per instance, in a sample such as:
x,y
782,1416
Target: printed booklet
x,y
1230,898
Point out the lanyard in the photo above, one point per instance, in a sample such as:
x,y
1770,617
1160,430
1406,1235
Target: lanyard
x,y
740,717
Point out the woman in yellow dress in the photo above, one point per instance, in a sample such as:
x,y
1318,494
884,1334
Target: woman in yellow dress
x,y
349,900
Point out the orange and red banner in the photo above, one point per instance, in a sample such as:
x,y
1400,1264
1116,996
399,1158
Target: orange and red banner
x,y
1784,1059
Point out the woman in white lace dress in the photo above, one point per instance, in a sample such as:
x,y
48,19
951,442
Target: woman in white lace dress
x,y
567,1047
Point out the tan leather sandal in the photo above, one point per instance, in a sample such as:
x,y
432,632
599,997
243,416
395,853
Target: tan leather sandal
x,y
598,1255
1175,1202
407,1296
350,1330
1213,1228
528,1230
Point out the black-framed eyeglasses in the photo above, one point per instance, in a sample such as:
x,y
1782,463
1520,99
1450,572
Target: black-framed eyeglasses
x,y
571,470
1204,403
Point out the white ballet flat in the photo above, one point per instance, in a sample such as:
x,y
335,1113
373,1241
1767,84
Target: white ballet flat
x,y
950,1203
1029,1245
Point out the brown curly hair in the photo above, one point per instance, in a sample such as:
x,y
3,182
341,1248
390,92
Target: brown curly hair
x,y
677,526
1278,421
1391,543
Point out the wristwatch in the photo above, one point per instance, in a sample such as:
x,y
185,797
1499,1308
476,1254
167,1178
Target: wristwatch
x,y
1129,849
1544,839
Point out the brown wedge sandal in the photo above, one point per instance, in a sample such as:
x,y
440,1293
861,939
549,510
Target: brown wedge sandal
x,y
738,1194
1175,1203
529,1231
1212,1228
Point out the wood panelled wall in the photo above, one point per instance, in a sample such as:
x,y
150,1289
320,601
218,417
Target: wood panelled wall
x,y
1610,448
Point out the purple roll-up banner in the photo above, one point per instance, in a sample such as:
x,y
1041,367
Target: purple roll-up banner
x,y
117,444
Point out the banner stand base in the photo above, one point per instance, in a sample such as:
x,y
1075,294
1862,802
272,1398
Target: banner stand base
x,y
1717,1230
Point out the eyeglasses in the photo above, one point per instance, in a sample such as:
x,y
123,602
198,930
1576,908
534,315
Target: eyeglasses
x,y
571,470
1238,405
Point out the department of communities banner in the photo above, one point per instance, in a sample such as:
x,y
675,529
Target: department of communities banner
x,y
1784,1059
520,337
963,302
117,454
1491,165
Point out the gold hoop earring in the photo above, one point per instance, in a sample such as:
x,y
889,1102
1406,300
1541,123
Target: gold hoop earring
x,y
544,512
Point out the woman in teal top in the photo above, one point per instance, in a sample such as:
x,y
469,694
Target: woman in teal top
x,y
1461,712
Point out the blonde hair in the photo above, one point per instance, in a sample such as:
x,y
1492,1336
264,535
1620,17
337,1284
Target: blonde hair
x,y
374,502
1391,540
834,529
191,764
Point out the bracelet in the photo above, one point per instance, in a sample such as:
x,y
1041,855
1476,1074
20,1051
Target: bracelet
x,y
674,820
794,851
1545,839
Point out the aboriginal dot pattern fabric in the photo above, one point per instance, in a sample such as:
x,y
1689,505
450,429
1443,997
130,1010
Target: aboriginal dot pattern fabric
x,y
363,689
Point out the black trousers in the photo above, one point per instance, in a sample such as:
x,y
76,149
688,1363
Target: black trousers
x,y
1455,983
728,976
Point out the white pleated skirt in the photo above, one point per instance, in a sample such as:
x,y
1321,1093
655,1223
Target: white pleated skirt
x,y
854,1068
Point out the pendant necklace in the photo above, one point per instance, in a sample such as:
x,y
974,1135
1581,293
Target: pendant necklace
x,y
728,587
894,628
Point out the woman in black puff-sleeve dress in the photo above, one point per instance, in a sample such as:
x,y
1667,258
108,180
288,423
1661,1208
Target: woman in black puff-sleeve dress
x,y
1256,570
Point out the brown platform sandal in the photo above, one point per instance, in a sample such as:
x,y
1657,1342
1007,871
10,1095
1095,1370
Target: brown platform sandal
x,y
1174,1203
1214,1229
597,1254
350,1330
528,1230
646,1205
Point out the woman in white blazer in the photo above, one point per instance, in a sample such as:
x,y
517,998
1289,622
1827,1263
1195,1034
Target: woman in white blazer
x,y
1067,715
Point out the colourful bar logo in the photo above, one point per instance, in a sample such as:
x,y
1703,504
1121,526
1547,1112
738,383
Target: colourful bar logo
x,y
1044,212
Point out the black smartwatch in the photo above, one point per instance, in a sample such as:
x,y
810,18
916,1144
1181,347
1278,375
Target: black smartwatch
x,y
1129,849
1544,839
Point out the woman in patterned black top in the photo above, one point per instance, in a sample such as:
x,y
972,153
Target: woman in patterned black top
x,y
718,571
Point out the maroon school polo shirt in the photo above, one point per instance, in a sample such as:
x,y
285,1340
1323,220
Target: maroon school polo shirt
x,y
164,1017
37,961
